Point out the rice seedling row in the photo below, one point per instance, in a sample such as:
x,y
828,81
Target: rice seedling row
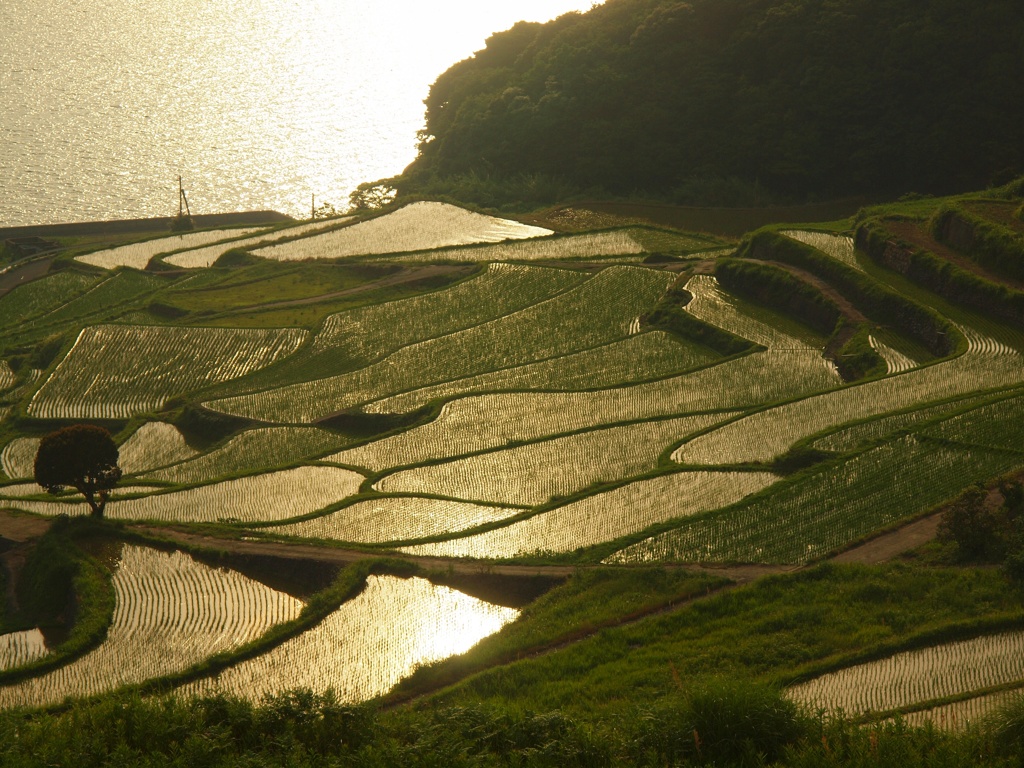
x,y
911,677
196,258
367,645
645,356
251,450
414,227
764,435
992,426
895,362
138,255
713,305
154,444
19,456
19,648
591,245
605,516
41,296
839,247
481,422
593,314
170,613
825,510
960,714
7,376
121,371
538,472
396,518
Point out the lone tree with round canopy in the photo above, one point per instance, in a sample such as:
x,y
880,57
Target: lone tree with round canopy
x,y
83,457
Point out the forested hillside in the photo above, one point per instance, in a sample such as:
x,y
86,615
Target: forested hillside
x,y
733,101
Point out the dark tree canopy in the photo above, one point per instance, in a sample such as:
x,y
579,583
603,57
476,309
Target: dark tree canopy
x,y
83,457
820,98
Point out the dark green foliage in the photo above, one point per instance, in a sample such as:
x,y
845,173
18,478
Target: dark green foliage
x,y
721,722
46,351
355,423
799,458
878,302
733,101
45,591
988,527
83,457
991,245
857,359
779,290
936,274
236,257
166,311
203,428
669,316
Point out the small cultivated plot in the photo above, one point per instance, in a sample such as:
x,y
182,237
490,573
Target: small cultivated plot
x,y
138,255
586,246
19,648
980,344
606,516
597,312
961,714
368,333
253,499
647,355
72,502
839,247
154,444
895,362
767,434
481,422
414,227
913,677
18,457
538,472
395,518
251,450
41,296
119,371
996,426
171,612
206,257
713,305
366,646
7,376
825,510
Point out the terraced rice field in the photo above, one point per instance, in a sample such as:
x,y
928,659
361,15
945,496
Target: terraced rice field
x,y
606,516
961,714
20,648
41,296
538,472
171,612
647,355
197,258
585,246
415,227
839,247
118,371
558,326
395,518
138,255
19,456
810,516
254,449
482,422
367,645
769,433
895,362
7,376
154,444
915,677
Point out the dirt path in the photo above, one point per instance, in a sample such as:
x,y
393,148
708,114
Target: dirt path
x,y
910,232
892,544
24,273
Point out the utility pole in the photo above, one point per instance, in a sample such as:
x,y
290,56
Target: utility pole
x,y
312,206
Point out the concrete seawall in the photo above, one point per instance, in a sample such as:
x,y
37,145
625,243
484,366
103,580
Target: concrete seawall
x,y
208,221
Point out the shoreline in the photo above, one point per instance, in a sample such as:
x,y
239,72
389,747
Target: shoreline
x,y
203,221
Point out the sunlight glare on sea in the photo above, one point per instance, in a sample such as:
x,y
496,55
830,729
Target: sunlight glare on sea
x,y
256,103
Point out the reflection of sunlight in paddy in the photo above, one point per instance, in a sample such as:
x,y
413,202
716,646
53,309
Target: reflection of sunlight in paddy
x,y
368,644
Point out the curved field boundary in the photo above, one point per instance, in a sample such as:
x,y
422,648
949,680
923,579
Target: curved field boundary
x,y
154,444
367,645
483,422
171,612
118,371
138,255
